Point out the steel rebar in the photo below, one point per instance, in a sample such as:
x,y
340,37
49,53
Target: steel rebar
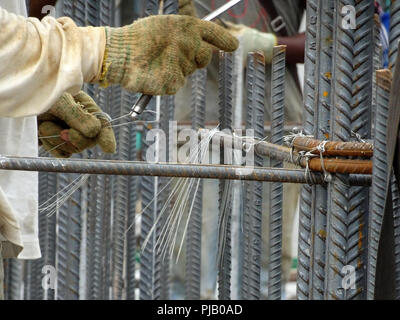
x,y
95,281
12,279
322,108
193,244
334,148
379,176
306,196
167,115
225,190
394,34
47,237
253,190
278,67
396,223
120,200
131,239
377,64
68,244
277,152
338,190
361,125
151,205
132,168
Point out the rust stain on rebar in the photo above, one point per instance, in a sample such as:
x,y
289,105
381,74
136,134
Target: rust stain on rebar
x,y
328,75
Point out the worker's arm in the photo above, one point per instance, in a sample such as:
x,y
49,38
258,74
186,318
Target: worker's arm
x,y
36,6
40,60
295,47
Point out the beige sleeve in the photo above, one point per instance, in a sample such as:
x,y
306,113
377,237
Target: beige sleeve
x,y
40,60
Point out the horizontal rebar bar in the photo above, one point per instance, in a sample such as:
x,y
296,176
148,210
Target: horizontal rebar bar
x,y
281,153
334,148
132,168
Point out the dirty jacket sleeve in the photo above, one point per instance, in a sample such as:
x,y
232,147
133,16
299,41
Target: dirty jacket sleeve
x,y
40,60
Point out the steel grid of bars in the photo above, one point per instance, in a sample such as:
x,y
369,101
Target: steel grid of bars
x,y
339,222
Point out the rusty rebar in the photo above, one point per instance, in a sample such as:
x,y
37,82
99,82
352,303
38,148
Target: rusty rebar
x,y
334,148
277,152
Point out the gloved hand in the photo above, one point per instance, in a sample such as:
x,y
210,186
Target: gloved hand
x,y
187,8
74,119
155,54
253,40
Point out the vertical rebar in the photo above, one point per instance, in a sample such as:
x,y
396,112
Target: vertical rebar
x,y
131,239
193,242
12,279
95,260
394,35
278,73
377,64
339,190
68,244
27,280
379,176
237,186
79,12
322,108
306,200
92,12
152,7
361,124
225,205
47,238
253,190
120,200
171,7
396,223
166,116
150,205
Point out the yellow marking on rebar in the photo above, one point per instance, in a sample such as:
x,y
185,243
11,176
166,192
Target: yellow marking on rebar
x,y
322,234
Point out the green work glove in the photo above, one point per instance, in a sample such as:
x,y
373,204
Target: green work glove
x,y
155,54
79,120
252,40
187,8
